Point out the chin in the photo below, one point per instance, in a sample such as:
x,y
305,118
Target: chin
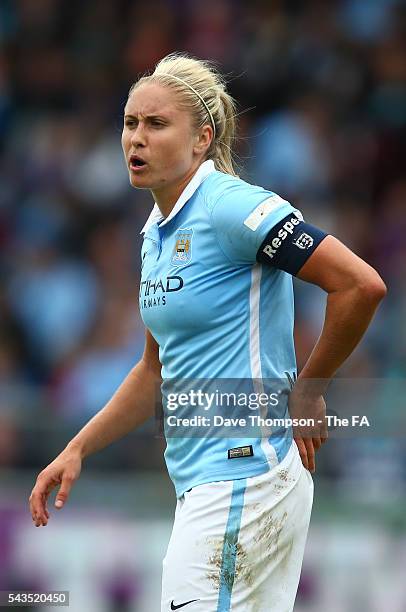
x,y
138,182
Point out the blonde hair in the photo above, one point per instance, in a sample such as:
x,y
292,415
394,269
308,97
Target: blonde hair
x,y
201,89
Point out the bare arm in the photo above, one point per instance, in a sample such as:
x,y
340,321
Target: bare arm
x,y
131,405
354,292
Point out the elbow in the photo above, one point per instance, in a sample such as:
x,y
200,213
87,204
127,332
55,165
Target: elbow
x,y
380,290
373,287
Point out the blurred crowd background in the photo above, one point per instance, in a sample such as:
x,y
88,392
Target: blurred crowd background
x,y
321,91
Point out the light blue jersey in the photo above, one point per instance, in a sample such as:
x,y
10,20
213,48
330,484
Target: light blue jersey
x,y
218,314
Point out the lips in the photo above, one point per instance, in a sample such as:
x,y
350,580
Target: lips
x,y
136,162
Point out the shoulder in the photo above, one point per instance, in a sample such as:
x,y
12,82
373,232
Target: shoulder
x,y
219,187
231,201
241,214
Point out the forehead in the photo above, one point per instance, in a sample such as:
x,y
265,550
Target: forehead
x,y
152,99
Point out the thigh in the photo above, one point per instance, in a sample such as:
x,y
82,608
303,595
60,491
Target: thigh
x,y
191,567
271,544
238,545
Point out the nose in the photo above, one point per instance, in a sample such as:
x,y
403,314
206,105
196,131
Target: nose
x,y
138,136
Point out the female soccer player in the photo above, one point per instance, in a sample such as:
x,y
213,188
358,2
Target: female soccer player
x,y
216,298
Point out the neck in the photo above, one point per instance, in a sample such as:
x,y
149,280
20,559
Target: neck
x,y
167,197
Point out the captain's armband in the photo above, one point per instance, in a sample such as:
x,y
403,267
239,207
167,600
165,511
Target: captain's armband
x,y
290,243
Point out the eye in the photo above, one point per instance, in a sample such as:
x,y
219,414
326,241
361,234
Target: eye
x,y
130,123
157,124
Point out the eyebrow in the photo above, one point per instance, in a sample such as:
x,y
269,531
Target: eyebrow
x,y
146,116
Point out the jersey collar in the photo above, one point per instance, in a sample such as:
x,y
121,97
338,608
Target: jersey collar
x,y
156,216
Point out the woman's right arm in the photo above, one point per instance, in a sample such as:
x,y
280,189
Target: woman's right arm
x,y
131,405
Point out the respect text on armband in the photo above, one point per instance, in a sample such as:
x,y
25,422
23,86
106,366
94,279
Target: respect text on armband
x,y
286,230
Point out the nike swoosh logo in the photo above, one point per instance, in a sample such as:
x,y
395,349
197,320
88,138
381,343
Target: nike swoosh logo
x,y
173,607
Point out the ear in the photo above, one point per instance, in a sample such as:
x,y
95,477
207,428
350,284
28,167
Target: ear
x,y
203,140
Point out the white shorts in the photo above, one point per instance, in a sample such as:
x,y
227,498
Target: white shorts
x,y
238,545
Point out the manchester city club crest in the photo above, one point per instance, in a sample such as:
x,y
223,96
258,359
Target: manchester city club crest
x,y
182,252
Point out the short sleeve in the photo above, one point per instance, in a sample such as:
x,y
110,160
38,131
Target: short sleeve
x,y
243,215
